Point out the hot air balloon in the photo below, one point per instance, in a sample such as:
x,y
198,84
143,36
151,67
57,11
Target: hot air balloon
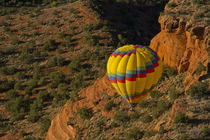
x,y
133,71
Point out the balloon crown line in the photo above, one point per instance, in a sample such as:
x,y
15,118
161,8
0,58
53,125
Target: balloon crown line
x,y
130,49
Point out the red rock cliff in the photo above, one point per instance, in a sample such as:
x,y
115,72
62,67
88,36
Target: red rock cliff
x,y
184,40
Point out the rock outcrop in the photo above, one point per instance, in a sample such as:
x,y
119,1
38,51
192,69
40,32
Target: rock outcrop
x,y
184,40
59,129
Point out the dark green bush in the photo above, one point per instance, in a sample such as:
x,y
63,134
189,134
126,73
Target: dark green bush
x,y
20,75
45,124
181,118
15,41
134,134
145,118
122,116
109,105
163,105
90,40
161,130
6,85
33,116
168,72
50,45
206,131
85,113
56,78
200,68
155,94
144,104
74,65
18,86
148,134
173,93
171,5
8,70
18,107
42,81
55,61
26,58
198,90
11,94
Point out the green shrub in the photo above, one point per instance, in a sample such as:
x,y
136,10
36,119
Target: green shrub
x,y
85,113
20,75
198,90
49,45
6,85
33,116
161,130
109,105
148,134
134,134
26,58
206,131
144,104
63,88
28,90
15,41
122,116
33,83
181,118
8,70
42,81
11,94
184,136
163,105
155,94
168,72
74,65
45,124
74,96
90,40
171,5
18,107
200,68
145,118
56,78
173,93
55,61
18,86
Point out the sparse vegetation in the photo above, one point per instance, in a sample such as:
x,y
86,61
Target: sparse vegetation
x,y
85,113
39,76
198,90
200,68
109,105
122,116
134,134
181,118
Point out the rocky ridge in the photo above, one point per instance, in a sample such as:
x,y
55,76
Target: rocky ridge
x,y
184,40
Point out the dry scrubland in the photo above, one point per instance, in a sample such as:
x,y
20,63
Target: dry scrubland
x,y
50,51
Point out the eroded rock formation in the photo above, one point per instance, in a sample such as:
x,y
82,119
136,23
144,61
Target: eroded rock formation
x,y
184,40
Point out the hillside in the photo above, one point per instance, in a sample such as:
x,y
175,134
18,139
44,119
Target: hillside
x,y
50,50
53,82
169,112
47,56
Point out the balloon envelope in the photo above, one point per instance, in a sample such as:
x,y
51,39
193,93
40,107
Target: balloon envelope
x,y
134,70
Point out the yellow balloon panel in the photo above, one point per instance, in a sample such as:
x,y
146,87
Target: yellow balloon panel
x,y
133,70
